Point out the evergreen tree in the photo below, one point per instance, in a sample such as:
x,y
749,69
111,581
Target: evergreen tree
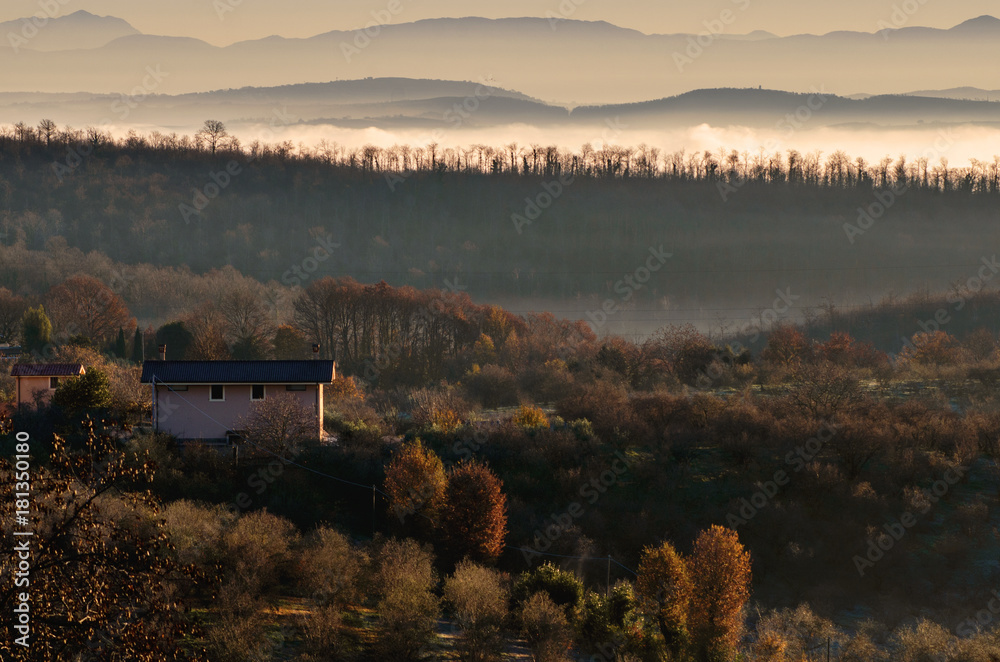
x,y
137,350
120,349
36,330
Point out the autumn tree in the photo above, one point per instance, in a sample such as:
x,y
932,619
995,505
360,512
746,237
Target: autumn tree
x,y
934,348
664,591
12,309
682,350
279,424
415,481
478,596
206,327
36,330
290,343
474,516
103,585
786,347
88,305
719,568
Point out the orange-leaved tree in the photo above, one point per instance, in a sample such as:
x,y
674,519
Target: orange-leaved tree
x,y
720,574
415,482
474,516
664,590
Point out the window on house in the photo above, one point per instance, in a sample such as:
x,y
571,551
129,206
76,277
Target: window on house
x,y
257,392
295,387
53,382
217,392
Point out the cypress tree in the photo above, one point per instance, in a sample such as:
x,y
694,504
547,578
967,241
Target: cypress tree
x,y
137,349
120,349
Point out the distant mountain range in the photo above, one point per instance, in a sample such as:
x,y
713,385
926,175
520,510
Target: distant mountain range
x,y
566,62
401,103
79,30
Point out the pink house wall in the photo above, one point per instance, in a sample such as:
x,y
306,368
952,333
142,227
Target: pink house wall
x,y
28,386
191,415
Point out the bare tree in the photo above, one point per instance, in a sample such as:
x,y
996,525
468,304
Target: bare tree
x,y
279,424
47,129
212,135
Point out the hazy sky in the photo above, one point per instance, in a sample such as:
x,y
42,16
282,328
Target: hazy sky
x,y
251,19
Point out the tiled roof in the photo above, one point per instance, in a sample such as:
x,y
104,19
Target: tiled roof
x,y
9,352
47,370
238,372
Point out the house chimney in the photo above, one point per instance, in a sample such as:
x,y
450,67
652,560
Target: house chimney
x,y
315,351
163,352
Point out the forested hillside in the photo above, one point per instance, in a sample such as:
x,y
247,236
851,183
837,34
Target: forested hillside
x,y
525,222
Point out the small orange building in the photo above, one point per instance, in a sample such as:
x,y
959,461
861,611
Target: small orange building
x,y
36,382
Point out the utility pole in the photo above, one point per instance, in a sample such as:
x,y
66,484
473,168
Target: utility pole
x,y
607,586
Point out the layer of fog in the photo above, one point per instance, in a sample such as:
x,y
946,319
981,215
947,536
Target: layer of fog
x,y
958,144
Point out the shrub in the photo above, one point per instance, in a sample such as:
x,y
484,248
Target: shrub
x,y
564,588
530,417
545,628
257,552
91,390
787,347
196,532
493,386
329,567
407,608
238,634
478,596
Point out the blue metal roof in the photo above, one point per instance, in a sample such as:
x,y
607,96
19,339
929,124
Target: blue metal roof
x,y
238,372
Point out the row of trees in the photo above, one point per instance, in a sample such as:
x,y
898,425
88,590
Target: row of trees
x,y
608,161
